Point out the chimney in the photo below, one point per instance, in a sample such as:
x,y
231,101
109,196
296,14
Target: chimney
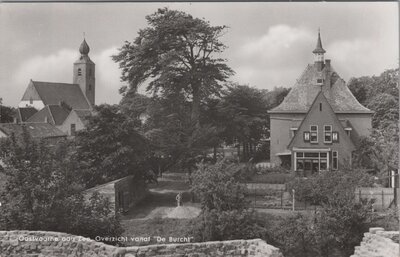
x,y
328,72
328,64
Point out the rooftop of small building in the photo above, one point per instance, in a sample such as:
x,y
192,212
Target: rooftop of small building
x,y
36,130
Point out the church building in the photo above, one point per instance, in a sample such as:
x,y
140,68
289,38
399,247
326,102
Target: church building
x,y
318,124
62,105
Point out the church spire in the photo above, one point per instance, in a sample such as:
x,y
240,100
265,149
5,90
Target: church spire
x,y
84,48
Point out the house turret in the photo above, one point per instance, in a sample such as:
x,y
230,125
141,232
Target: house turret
x,y
319,52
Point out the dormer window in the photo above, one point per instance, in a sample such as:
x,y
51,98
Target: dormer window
x,y
79,72
320,82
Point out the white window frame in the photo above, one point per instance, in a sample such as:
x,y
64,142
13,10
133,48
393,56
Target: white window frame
x,y
293,131
329,142
311,131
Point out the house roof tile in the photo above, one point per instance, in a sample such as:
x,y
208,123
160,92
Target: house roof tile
x,y
305,90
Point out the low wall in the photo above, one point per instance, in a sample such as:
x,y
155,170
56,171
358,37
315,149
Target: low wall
x,y
378,242
43,243
122,193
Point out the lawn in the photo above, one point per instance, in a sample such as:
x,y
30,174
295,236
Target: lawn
x,y
156,227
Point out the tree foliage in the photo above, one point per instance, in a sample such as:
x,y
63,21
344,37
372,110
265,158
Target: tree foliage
x,y
110,147
7,113
177,53
43,191
338,224
326,187
225,213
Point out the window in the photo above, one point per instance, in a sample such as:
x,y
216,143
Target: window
x,y
293,132
306,136
311,161
314,134
335,137
320,107
31,100
79,72
73,129
328,134
90,87
335,160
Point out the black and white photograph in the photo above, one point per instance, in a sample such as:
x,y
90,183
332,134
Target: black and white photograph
x,y
199,129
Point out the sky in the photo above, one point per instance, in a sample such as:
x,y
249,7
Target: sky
x,y
269,44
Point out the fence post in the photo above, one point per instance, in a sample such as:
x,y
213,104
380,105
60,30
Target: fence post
x,y
293,192
281,199
383,198
255,198
359,195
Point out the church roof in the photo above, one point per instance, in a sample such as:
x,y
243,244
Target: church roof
x,y
53,114
25,113
303,93
36,130
52,93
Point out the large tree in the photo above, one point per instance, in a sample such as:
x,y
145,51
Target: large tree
x,y
243,112
175,53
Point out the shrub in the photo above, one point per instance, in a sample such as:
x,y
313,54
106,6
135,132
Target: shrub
x,y
329,185
218,186
225,213
213,225
43,192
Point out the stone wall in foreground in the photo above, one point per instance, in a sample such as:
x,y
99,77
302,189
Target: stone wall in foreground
x,y
378,243
43,243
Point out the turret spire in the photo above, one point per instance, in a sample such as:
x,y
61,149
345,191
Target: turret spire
x,y
318,49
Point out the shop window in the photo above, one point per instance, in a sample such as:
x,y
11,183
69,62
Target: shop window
x,y
79,72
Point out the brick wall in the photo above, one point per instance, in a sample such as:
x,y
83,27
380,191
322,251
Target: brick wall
x,y
43,243
378,243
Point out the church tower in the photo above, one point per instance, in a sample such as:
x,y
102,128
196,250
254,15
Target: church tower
x,y
84,73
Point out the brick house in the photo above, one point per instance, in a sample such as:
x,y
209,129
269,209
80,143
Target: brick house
x,y
317,125
62,105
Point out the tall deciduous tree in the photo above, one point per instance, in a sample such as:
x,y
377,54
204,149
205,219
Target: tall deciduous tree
x,y
243,110
176,53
